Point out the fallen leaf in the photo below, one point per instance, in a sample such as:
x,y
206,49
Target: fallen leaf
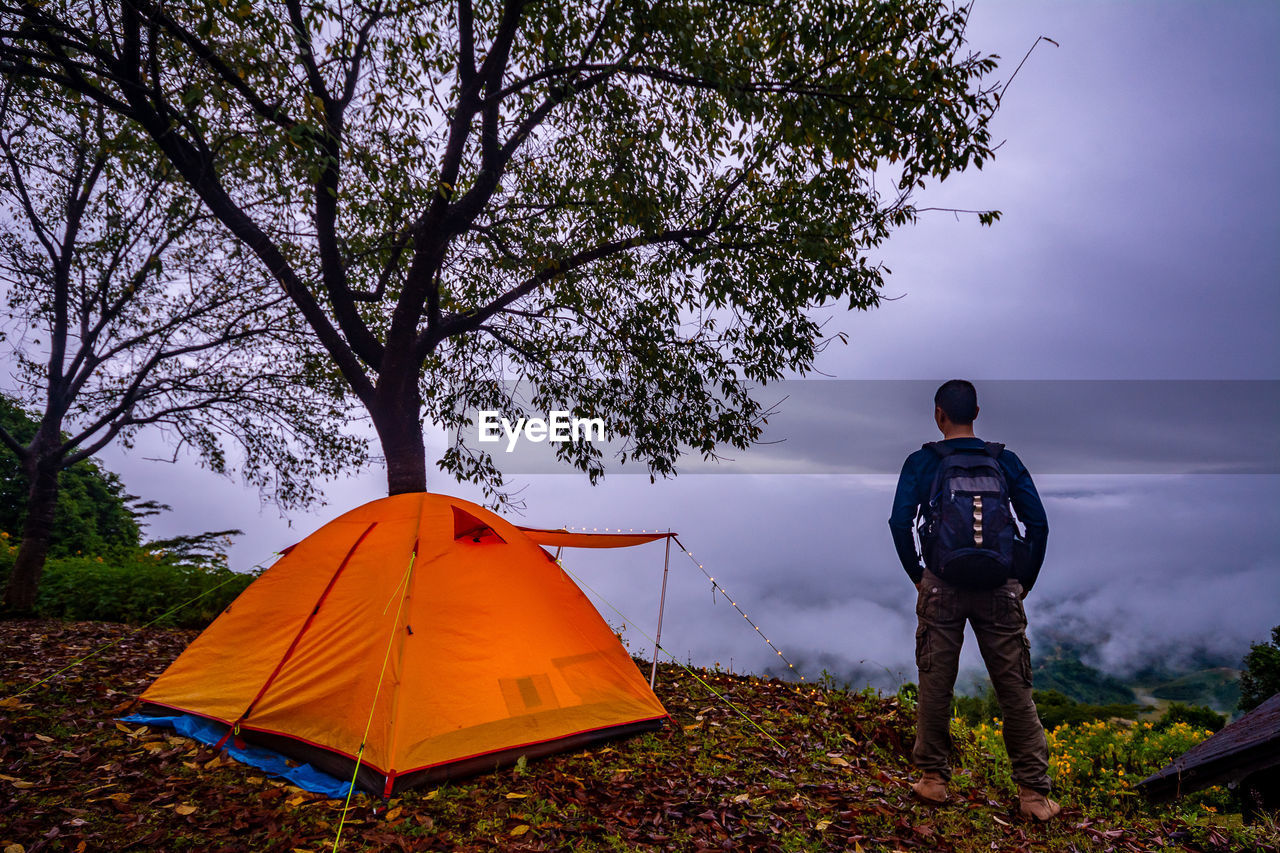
x,y
394,813
999,821
516,796
44,738
520,830
822,824
185,810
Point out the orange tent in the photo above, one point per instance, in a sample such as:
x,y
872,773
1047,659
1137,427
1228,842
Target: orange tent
x,y
429,629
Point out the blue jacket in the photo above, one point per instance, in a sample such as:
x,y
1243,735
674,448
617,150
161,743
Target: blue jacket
x,y
913,491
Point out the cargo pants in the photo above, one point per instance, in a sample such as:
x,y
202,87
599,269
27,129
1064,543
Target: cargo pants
x,y
1000,625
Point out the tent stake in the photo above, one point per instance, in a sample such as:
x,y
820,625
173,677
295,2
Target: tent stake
x,y
662,604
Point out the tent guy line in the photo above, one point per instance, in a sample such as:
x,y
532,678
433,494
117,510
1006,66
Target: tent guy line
x,y
715,587
373,706
674,659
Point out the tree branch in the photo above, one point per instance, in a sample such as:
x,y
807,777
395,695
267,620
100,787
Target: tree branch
x,y
456,324
9,441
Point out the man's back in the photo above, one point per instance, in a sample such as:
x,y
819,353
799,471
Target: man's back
x,y
916,479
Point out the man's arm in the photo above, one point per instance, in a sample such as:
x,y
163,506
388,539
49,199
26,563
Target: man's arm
x,y
905,505
1026,503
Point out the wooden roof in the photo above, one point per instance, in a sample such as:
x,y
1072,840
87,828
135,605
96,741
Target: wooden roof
x,y
1250,744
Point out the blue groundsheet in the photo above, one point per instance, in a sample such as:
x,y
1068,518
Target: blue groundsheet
x,y
303,776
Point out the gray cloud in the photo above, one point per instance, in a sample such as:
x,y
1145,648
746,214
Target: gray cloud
x,y
1057,426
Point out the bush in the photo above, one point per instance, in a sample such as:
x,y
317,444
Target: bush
x,y
1057,709
138,588
1096,765
976,709
1054,708
1196,716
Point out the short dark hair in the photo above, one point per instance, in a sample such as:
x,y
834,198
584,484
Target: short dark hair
x,y
958,400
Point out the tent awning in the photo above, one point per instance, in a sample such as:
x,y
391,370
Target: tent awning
x,y
573,539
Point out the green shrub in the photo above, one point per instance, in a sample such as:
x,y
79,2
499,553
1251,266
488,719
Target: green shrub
x,y
1096,765
1057,709
137,588
976,709
1054,708
1196,716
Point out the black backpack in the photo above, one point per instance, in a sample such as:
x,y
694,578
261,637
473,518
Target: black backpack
x,y
967,530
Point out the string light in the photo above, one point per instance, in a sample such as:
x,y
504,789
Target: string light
x,y
715,587
622,530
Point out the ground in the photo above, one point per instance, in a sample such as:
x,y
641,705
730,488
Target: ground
x,y
772,766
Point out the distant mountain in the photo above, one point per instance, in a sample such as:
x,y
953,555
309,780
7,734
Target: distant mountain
x,y
1204,681
1219,688
1062,670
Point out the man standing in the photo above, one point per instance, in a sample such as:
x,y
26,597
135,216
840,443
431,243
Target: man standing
x,y
962,487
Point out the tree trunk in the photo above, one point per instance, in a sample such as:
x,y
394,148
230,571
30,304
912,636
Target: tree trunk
x,y
396,411
37,533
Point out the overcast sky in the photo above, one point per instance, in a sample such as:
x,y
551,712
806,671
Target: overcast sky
x,y
1140,186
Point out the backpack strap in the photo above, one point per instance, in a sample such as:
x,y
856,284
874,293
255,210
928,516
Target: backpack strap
x,y
992,449
943,450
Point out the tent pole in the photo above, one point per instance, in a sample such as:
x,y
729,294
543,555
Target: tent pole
x,y
662,604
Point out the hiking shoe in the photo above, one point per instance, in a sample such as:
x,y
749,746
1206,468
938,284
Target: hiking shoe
x,y
1036,805
931,788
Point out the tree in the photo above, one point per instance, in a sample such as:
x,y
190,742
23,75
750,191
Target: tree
x,y
93,514
631,208
123,315
1261,677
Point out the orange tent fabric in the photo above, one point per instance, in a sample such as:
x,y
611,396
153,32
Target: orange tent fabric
x,y
567,539
463,638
